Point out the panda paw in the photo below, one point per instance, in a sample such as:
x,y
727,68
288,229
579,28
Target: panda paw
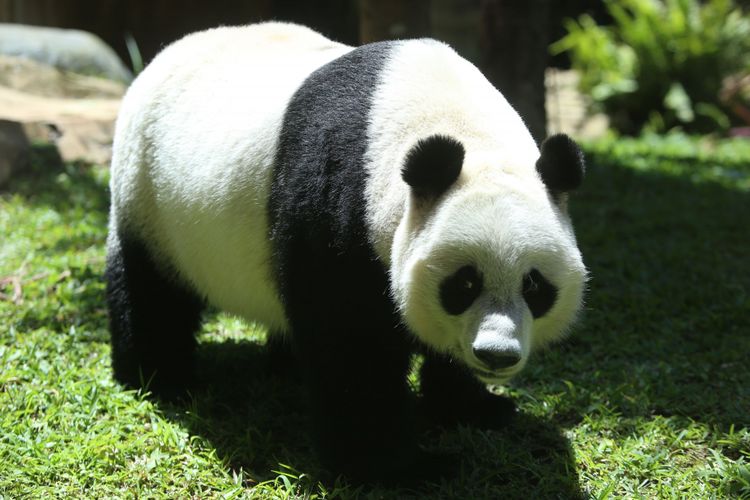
x,y
410,467
173,388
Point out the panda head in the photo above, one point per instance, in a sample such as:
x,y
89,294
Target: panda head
x,y
485,264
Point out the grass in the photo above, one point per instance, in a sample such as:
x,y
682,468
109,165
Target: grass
x,y
649,398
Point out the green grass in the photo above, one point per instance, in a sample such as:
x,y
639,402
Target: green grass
x,y
650,397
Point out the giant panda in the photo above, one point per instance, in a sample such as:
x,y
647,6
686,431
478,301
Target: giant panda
x,y
364,204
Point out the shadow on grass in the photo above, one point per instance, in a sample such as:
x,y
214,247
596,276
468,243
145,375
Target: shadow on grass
x,y
256,420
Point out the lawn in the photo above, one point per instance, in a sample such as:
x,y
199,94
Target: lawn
x,y
648,398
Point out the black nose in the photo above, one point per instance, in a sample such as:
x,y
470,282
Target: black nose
x,y
497,359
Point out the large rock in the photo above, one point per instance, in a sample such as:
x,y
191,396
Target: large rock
x,y
76,113
40,79
71,50
82,129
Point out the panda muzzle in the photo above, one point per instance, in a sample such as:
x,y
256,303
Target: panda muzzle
x,y
497,345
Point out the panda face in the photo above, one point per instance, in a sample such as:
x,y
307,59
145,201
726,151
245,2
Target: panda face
x,y
489,270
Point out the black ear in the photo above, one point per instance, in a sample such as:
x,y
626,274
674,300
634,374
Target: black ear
x,y
561,164
432,165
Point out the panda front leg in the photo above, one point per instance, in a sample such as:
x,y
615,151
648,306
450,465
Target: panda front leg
x,y
452,395
280,356
153,321
364,414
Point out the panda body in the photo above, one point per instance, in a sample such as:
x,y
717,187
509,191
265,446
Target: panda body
x,y
212,177
365,203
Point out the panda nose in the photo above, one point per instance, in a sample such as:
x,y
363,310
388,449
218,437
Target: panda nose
x,y
497,359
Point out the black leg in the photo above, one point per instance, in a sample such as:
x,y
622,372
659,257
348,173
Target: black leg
x,y
354,357
452,395
364,414
153,321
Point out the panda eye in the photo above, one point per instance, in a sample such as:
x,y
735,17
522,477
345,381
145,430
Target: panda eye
x,y
460,290
539,294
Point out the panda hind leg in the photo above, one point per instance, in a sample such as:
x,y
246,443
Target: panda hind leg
x,y
452,395
153,321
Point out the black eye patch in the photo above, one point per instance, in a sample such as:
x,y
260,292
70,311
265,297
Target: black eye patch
x,y
539,294
460,290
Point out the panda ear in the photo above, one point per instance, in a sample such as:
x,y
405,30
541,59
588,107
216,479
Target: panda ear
x,y
561,164
432,165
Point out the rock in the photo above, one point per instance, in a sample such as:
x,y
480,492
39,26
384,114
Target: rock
x,y
71,50
15,150
73,112
82,129
41,79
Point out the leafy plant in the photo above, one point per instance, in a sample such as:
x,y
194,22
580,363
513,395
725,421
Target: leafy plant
x,y
134,52
661,64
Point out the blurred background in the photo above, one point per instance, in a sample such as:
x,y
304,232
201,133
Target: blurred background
x,y
577,66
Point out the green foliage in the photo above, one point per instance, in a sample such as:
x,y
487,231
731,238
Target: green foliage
x,y
647,399
134,51
662,62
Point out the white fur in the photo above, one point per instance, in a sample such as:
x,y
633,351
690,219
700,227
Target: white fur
x,y
193,152
497,216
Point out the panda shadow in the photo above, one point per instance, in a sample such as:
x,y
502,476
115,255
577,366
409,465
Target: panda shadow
x,y
254,416
529,458
668,300
251,413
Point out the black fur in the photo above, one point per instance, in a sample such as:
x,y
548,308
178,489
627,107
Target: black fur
x,y
540,295
432,165
460,290
561,164
153,320
452,395
353,353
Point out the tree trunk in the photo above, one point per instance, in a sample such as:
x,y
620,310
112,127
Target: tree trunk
x,y
513,44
